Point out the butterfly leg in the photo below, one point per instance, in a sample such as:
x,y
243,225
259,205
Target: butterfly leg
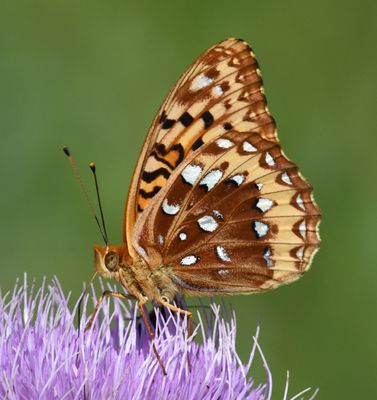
x,y
163,301
105,294
150,333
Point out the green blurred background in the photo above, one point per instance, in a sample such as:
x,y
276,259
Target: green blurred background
x,y
91,75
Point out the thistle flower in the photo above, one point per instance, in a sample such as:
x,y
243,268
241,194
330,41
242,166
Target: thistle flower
x,y
44,356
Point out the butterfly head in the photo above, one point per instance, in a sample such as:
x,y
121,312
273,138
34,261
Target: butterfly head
x,y
108,260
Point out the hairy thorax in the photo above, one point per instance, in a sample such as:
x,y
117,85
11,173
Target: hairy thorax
x,y
137,277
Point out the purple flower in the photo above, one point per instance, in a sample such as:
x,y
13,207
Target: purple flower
x,y
44,356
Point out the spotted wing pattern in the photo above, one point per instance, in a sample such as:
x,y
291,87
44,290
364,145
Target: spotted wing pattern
x,y
235,217
221,91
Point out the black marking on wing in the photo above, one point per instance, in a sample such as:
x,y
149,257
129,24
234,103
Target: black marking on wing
x,y
168,123
176,147
231,182
160,152
161,159
228,126
199,142
151,176
186,119
148,195
162,117
207,118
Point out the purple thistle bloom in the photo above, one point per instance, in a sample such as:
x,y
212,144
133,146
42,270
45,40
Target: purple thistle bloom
x,y
43,356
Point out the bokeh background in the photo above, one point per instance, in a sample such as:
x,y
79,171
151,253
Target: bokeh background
x,y
91,74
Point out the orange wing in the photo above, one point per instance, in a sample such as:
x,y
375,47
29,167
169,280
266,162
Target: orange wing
x,y
221,91
235,217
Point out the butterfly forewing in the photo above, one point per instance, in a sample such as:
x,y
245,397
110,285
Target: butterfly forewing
x,y
215,198
221,91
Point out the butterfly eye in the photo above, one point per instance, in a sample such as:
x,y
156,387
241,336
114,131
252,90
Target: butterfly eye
x,y
111,260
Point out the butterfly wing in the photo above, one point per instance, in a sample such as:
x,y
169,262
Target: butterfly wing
x,y
222,90
213,196
235,217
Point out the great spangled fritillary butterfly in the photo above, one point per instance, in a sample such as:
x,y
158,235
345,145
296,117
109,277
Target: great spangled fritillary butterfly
x,y
214,206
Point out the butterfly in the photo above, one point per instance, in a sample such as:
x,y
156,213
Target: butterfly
x,y
214,206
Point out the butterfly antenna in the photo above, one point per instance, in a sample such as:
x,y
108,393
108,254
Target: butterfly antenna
x,y
93,169
84,191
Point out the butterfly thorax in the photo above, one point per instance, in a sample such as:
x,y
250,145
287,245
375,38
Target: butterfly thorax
x,y
135,276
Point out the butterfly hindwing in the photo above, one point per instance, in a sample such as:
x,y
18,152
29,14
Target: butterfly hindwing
x,y
235,217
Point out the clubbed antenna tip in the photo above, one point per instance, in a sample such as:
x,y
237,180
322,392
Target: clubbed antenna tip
x,y
66,151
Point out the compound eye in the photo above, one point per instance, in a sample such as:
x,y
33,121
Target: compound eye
x,y
111,260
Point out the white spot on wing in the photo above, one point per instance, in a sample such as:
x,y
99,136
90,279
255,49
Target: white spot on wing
x,y
299,202
189,260
285,178
160,239
224,143
266,256
223,272
264,204
217,214
238,179
191,173
183,236
300,253
260,228
218,90
259,185
269,159
200,82
141,251
208,223
247,146
302,229
170,209
222,254
211,179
